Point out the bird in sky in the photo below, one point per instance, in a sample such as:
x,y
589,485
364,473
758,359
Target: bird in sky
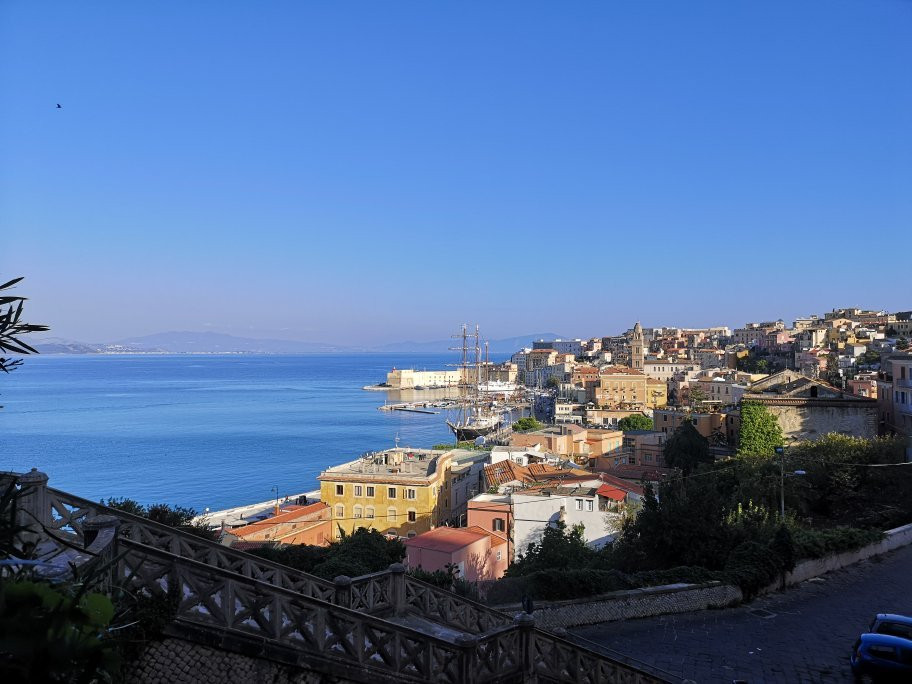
x,y
59,106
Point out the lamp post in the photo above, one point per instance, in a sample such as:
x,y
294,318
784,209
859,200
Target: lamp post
x,y
780,451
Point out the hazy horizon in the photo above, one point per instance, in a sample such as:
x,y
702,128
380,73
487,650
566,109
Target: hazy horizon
x,y
366,173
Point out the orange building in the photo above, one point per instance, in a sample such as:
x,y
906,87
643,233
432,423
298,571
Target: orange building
x,y
309,525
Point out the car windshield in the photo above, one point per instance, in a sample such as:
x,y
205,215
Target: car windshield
x,y
897,629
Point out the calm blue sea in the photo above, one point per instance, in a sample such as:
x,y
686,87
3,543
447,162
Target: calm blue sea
x,y
202,431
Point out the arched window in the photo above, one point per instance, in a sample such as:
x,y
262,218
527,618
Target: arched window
x,y
340,511
358,512
369,512
391,515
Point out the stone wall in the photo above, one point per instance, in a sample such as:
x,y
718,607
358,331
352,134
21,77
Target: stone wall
x,y
634,603
805,570
175,661
812,420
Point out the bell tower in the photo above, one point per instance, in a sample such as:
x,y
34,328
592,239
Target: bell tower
x,y
636,348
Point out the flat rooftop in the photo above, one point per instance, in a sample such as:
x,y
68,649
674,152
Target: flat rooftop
x,y
390,465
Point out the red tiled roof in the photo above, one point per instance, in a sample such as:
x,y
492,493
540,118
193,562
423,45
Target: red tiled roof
x,y
446,539
495,539
610,492
288,514
619,483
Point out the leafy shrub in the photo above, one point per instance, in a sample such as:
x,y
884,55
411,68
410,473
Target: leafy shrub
x,y
811,543
752,566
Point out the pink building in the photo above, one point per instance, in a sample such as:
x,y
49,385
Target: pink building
x,y
476,553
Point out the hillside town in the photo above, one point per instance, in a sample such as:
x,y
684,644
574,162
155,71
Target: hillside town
x,y
605,411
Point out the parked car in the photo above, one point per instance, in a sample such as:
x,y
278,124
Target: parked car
x,y
882,658
890,623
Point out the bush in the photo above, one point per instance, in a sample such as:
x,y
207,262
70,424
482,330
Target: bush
x,y
752,566
819,543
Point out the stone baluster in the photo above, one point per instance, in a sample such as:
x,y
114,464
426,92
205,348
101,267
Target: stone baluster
x,y
343,595
525,623
34,508
468,670
99,537
397,588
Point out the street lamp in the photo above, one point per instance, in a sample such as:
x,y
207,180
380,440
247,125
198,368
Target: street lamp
x,y
780,451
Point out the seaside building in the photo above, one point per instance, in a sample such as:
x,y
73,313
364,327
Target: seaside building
x,y
397,491
308,524
408,378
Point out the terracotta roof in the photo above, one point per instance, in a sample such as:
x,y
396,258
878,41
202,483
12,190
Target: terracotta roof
x,y
496,540
610,492
446,539
620,370
620,483
288,514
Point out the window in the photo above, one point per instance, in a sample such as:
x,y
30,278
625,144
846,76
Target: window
x,y
370,490
357,512
369,512
500,555
391,492
340,511
498,524
412,515
358,490
340,490
391,515
579,504
411,494
589,505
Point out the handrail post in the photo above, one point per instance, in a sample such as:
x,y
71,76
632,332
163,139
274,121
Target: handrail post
x,y
34,513
397,588
343,595
525,623
468,669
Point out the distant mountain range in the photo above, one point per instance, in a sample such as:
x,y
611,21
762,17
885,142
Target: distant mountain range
x,y
219,343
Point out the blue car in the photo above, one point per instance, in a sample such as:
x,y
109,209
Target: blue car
x,y
890,623
882,658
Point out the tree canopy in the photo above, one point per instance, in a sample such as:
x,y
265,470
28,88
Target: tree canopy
x,y
527,423
760,431
686,449
12,328
635,421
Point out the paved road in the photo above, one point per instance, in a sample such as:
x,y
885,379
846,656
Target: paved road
x,y
807,638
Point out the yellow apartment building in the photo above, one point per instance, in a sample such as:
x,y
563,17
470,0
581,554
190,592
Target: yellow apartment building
x,y
627,388
397,491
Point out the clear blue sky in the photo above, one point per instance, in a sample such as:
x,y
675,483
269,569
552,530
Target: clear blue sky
x,y
363,172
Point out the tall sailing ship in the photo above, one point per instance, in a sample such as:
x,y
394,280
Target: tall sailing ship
x,y
477,416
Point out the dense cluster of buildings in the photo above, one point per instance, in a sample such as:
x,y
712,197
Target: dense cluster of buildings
x,y
474,510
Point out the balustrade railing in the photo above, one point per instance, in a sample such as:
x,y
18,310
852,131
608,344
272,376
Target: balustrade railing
x,y
450,609
226,601
341,621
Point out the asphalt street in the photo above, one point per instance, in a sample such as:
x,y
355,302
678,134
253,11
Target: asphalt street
x,y
804,634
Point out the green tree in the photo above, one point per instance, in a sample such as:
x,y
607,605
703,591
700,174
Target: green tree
x,y
902,343
560,547
12,327
760,431
527,423
173,516
686,449
832,371
635,421
869,358
696,396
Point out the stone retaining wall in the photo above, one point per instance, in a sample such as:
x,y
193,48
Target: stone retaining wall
x,y
807,569
175,661
633,603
